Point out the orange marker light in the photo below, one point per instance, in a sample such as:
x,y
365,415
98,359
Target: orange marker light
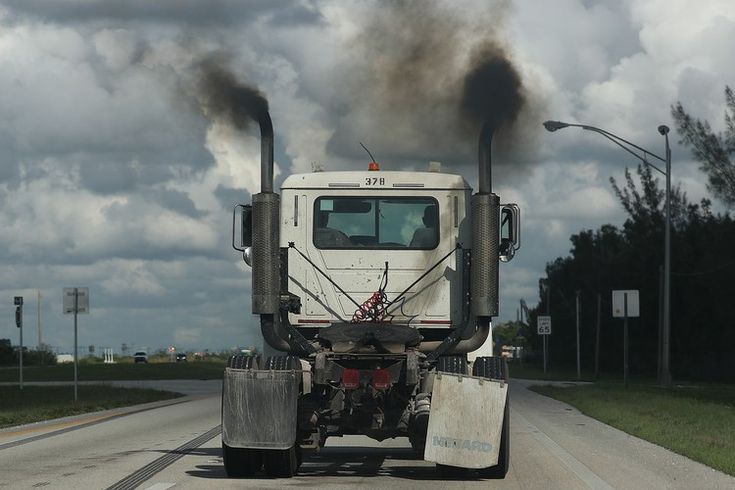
x,y
374,166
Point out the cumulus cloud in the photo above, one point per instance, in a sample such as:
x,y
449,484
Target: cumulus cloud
x,y
114,175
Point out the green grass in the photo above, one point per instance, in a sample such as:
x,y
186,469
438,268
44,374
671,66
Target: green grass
x,y
38,403
695,421
122,371
530,371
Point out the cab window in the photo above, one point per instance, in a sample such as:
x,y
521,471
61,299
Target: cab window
x,y
378,223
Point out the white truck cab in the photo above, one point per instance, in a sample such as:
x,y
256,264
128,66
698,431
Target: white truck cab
x,y
376,230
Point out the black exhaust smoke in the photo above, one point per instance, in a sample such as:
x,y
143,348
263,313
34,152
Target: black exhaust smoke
x,y
492,97
426,76
224,97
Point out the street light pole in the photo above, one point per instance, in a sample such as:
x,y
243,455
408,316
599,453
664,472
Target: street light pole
x,y
631,148
666,337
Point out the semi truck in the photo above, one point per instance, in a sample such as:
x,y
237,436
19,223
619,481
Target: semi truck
x,y
371,287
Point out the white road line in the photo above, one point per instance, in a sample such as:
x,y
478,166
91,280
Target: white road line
x,y
572,463
161,486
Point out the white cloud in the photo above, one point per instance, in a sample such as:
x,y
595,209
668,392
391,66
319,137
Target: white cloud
x,y
109,172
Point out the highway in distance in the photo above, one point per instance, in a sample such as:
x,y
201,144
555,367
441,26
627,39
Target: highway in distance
x,y
177,445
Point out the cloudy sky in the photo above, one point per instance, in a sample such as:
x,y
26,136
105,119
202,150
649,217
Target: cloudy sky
x,y
115,175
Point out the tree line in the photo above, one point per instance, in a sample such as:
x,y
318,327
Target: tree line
x,y
9,355
611,258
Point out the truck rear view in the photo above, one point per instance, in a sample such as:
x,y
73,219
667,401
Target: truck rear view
x,y
374,286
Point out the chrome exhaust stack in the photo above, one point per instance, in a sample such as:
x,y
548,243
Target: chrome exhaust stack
x,y
266,211
485,208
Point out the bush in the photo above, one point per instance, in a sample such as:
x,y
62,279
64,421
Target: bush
x,y
31,357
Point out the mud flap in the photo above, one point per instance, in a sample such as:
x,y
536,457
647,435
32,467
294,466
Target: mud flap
x,y
259,408
466,421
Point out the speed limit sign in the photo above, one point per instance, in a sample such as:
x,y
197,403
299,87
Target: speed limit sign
x,y
543,325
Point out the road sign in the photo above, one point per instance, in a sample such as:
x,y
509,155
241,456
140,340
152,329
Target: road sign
x,y
618,299
543,325
82,301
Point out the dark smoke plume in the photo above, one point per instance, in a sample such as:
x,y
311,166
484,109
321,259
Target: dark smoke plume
x,y
492,92
224,97
425,78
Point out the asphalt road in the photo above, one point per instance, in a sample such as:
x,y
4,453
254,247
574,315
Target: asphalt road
x,y
177,445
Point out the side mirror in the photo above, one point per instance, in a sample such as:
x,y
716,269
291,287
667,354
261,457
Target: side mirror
x,y
510,231
243,230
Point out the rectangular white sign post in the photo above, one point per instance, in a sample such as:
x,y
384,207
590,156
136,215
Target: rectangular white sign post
x,y
75,300
625,305
543,328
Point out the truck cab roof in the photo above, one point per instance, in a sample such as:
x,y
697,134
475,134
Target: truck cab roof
x,y
395,180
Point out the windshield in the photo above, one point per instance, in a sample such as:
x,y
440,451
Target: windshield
x,y
372,222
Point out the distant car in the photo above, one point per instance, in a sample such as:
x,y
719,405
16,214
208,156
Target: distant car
x,y
140,356
181,357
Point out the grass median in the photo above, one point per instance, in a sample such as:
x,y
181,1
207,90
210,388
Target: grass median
x,y
696,421
121,371
39,403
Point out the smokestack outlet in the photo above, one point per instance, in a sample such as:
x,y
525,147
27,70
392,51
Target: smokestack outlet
x,y
266,153
485,174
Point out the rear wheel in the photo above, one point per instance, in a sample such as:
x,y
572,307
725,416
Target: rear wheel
x,y
240,462
497,368
490,367
452,364
242,362
501,469
282,363
281,463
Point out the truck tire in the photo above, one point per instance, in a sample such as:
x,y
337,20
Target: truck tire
x,y
242,362
452,364
282,363
283,463
496,368
499,471
490,367
240,462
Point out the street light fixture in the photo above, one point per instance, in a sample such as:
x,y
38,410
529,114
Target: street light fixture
x,y
634,150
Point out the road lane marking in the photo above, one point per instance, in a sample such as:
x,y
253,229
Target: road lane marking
x,y
145,473
54,427
64,427
573,464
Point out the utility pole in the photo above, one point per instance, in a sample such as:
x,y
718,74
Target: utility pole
x,y
579,363
659,344
625,340
38,318
597,337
